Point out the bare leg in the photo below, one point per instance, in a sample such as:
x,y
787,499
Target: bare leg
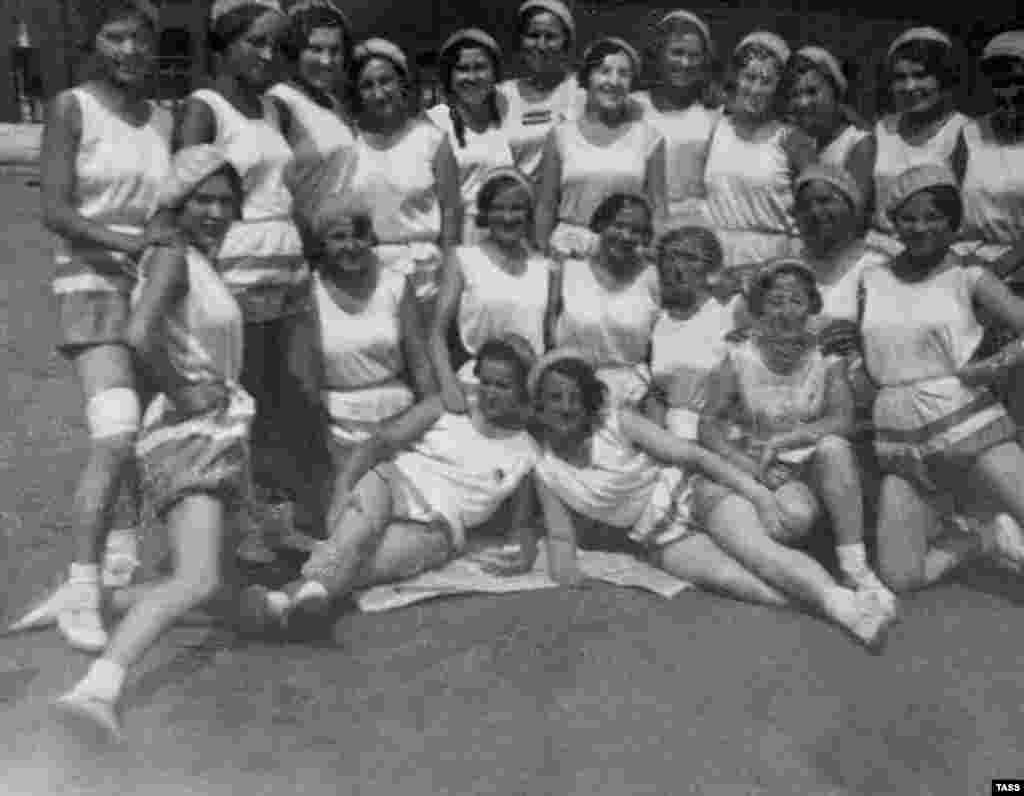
x,y
800,510
837,479
406,550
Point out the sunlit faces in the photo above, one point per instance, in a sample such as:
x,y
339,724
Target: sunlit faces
x,y
813,103
125,50
348,245
560,409
684,60
501,393
209,211
756,84
824,216
473,76
610,82
914,89
322,60
624,236
508,215
786,305
252,57
1007,82
924,227
684,266
381,88
544,43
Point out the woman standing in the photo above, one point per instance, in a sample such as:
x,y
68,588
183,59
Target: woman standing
x,y
472,118
940,432
924,127
405,175
607,150
186,329
498,287
815,88
606,304
105,156
684,107
754,158
318,45
547,93
261,260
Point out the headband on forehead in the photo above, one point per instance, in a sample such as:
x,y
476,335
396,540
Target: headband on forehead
x,y
920,34
189,167
770,41
382,48
551,358
618,44
825,60
222,7
681,15
555,7
303,6
1006,45
920,178
472,36
836,177
509,173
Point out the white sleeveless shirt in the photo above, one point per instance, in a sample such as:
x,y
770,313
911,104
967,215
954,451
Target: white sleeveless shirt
x,y
323,145
528,123
993,189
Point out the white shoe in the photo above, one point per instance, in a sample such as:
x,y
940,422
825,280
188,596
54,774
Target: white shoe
x,y
873,619
864,579
78,617
1008,543
89,714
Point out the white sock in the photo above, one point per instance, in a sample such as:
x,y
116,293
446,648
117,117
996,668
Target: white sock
x,y
840,605
103,681
311,588
852,557
84,573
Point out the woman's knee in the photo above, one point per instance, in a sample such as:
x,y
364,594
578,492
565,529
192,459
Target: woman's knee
x,y
833,448
799,510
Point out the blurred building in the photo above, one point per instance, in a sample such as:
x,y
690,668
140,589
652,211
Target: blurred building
x,y
858,33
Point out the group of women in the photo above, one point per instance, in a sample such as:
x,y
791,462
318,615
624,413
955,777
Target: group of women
x,y
681,323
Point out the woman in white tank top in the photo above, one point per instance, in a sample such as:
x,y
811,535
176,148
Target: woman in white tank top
x,y
105,156
607,150
318,45
405,175
547,93
261,259
815,86
473,116
684,106
924,127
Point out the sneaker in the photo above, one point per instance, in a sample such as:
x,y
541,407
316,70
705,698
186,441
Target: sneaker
x,y
872,621
89,715
1008,543
79,620
865,580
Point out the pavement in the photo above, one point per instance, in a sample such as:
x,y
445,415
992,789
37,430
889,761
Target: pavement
x,y
599,692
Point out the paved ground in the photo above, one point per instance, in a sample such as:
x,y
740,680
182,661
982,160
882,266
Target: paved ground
x,y
599,693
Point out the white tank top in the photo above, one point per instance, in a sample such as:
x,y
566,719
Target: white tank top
x,y
896,156
612,327
495,302
463,475
481,153
838,150
364,348
323,147
396,185
590,173
839,278
993,188
120,168
687,135
528,123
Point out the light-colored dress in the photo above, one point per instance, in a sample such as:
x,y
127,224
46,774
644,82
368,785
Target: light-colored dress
x,y
324,145
623,487
591,173
363,365
612,327
528,123
684,353
261,258
687,135
496,303
395,185
481,153
895,156
120,169
837,153
205,453
749,186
